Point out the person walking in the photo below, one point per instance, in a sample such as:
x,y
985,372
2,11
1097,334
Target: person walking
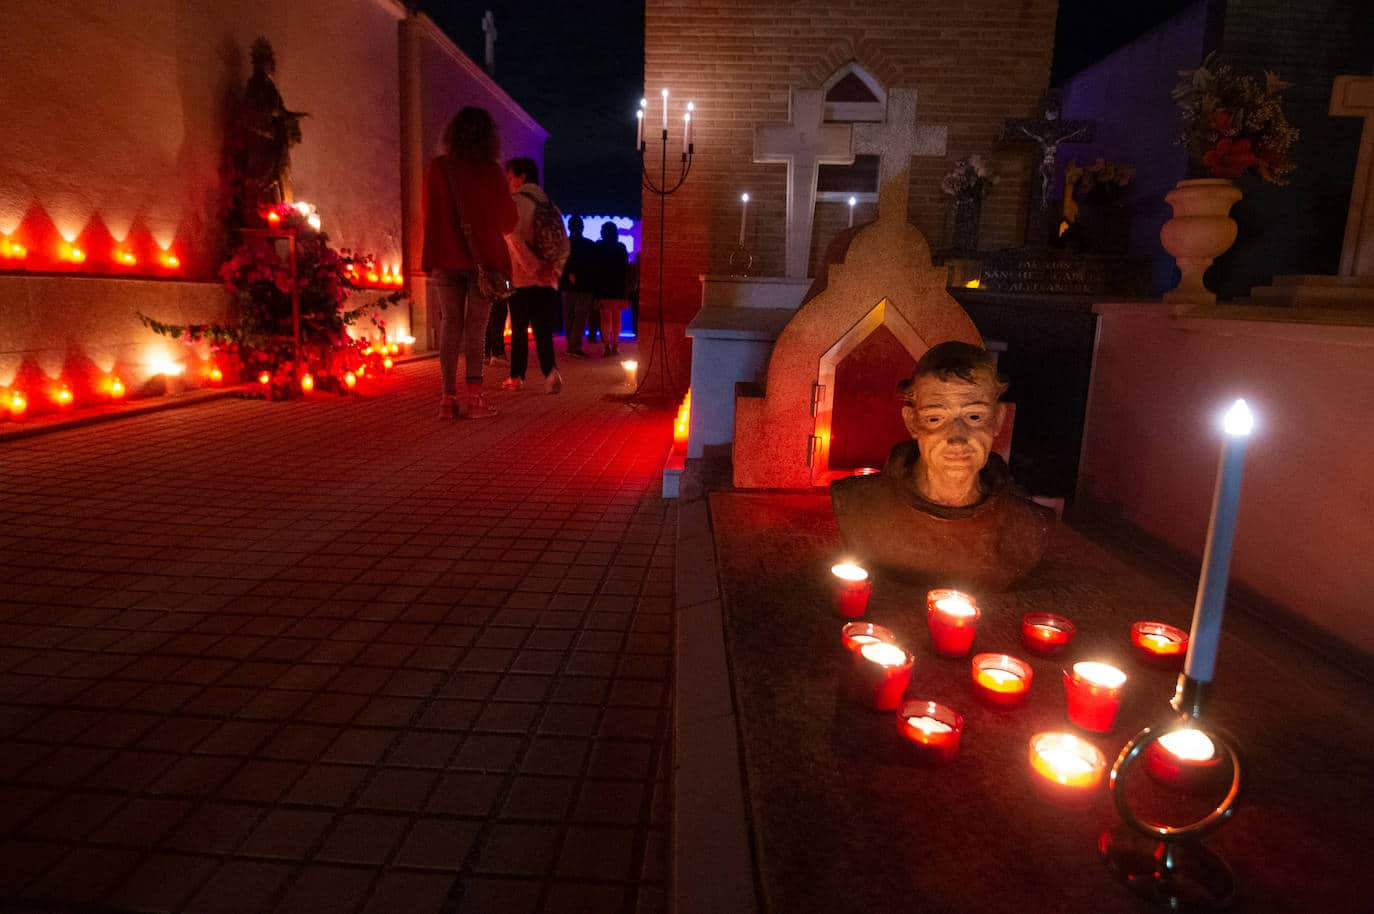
x,y
468,211
576,287
612,267
538,249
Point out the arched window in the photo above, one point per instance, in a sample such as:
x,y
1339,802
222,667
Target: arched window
x,y
852,95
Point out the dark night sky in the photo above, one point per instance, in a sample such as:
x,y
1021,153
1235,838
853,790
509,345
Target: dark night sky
x,y
578,68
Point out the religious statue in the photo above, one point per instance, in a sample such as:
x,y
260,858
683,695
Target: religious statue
x,y
942,509
269,132
1046,134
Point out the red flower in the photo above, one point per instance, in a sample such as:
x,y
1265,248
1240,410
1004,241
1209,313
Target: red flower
x,y
1230,159
1222,119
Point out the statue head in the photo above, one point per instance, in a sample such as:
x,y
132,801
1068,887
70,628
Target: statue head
x,y
950,406
264,60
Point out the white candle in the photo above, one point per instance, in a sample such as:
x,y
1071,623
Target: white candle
x,y
743,212
955,606
852,201
883,654
631,369
1188,745
686,131
1100,674
848,571
1216,558
639,129
1000,677
665,110
929,725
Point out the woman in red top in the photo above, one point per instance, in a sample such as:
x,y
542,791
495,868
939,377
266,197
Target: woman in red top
x,y
468,212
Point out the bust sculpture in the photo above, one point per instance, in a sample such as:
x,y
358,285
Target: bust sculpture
x,y
942,509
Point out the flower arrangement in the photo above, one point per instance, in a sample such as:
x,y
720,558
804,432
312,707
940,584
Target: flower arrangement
x,y
1102,180
1234,125
970,177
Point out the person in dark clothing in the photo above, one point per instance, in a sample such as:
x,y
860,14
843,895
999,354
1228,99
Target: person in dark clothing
x,y
576,286
534,303
612,266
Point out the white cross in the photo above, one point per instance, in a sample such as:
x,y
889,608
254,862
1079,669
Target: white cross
x,y
1353,96
895,141
803,144
489,29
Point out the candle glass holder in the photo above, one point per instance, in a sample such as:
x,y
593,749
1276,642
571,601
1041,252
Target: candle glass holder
x,y
1001,680
881,674
1046,634
856,634
740,262
1065,769
853,587
1160,644
1093,691
953,620
932,730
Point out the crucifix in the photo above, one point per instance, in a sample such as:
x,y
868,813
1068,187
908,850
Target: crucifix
x,y
1046,133
489,30
895,141
1353,96
803,144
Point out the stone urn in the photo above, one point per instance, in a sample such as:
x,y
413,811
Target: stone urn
x,y
1200,231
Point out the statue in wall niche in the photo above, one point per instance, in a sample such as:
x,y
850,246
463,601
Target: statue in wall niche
x,y
942,510
269,132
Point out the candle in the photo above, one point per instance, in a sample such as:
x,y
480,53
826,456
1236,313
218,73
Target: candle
x,y
686,131
350,380
117,389
1046,633
932,729
743,213
1065,768
216,376
16,404
857,634
307,383
639,129
852,201
631,371
1001,680
1216,558
1184,759
664,93
881,674
953,620
852,589
1094,694
1159,644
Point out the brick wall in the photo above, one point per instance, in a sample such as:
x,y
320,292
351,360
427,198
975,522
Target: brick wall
x,y
973,64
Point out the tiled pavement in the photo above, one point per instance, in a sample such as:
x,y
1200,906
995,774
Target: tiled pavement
x,y
338,655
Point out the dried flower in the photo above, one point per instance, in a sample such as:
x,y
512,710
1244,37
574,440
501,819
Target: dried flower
x,y
1232,124
970,177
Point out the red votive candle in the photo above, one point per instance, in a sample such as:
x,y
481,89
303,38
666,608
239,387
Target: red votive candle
x,y
1046,633
856,634
932,730
1160,644
881,673
953,619
852,589
1184,759
1066,769
1094,693
1001,680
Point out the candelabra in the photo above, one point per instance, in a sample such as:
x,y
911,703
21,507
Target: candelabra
x,y
658,346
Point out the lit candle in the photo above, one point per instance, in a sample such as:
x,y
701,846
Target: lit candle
x,y
664,93
1001,680
116,389
1046,633
64,398
852,201
387,363
350,380
265,378
1216,558
16,404
743,214
932,729
216,376
881,674
686,131
631,371
855,635
1066,769
953,620
1094,694
1159,644
1185,759
639,129
307,383
852,590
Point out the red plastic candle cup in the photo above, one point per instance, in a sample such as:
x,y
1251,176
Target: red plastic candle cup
x,y
881,673
856,634
1094,693
1185,760
852,589
1046,633
931,729
953,619
1160,644
1001,680
1066,769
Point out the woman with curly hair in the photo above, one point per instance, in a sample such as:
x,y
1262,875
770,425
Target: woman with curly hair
x,y
468,212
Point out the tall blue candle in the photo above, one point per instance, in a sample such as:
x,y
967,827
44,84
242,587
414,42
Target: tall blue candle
x,y
1216,559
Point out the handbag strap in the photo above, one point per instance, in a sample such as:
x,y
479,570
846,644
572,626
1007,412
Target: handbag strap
x,y
462,223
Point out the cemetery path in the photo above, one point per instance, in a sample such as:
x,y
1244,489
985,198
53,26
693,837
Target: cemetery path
x,y
339,655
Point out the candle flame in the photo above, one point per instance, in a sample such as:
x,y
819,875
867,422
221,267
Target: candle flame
x,y
629,364
955,605
643,103
1239,420
884,654
1188,745
853,200
640,114
848,571
1100,674
929,725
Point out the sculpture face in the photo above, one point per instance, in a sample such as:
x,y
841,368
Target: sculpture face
x,y
954,423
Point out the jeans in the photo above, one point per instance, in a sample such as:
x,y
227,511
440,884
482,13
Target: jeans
x,y
462,326
532,306
577,307
496,329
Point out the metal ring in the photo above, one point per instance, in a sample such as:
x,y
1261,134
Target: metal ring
x,y
1131,751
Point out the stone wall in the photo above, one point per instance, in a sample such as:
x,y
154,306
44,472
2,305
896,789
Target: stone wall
x,y
973,64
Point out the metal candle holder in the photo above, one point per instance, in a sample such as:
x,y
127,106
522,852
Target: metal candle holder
x,y
1172,868
658,346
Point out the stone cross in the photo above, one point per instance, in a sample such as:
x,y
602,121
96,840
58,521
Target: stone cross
x,y
1353,96
489,30
895,141
803,144
1046,132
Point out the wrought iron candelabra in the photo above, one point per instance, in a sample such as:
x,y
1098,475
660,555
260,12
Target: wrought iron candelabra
x,y
663,189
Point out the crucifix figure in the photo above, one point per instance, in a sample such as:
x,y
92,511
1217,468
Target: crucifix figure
x,y
1353,96
895,141
489,30
803,144
1046,133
